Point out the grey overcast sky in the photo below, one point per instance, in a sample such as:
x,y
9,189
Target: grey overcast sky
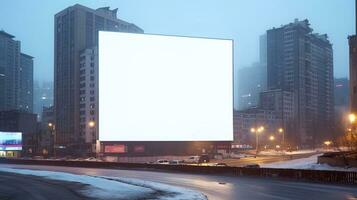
x,y
31,21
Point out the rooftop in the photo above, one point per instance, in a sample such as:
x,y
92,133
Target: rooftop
x,y
2,32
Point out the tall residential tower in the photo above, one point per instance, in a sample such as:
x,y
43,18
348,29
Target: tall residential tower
x,y
301,62
352,40
76,70
16,75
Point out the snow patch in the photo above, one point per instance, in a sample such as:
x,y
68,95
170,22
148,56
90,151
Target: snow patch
x,y
174,193
305,163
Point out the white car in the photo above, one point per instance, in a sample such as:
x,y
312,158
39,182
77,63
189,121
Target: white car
x,y
192,159
162,162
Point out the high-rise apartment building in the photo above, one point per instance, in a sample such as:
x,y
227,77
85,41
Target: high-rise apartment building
x,y
16,75
301,62
25,102
9,71
76,36
352,40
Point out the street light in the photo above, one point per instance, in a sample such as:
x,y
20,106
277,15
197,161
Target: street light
x,y
281,130
51,126
352,118
257,131
272,138
91,124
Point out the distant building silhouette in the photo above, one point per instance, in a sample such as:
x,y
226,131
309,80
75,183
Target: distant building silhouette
x,y
16,75
76,66
250,81
301,62
43,97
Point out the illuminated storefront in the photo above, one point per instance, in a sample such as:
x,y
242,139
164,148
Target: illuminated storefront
x,y
10,144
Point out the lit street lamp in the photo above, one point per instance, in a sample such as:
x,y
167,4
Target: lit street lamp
x,y
91,124
52,127
272,138
257,131
352,118
328,143
281,130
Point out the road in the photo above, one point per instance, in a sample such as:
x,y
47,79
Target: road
x,y
20,187
223,187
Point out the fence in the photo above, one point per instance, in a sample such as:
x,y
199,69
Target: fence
x,y
325,176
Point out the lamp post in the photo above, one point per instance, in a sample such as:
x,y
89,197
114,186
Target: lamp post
x,y
257,131
91,125
52,128
352,119
281,131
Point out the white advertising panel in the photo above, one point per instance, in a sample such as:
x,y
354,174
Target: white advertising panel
x,y
165,88
10,141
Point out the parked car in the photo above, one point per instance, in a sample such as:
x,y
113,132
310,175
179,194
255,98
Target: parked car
x,y
162,162
221,165
204,158
93,159
252,166
192,159
176,162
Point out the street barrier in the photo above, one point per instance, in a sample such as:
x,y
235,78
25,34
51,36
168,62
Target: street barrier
x,y
325,176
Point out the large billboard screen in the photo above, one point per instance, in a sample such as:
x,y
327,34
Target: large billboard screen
x,y
10,141
165,88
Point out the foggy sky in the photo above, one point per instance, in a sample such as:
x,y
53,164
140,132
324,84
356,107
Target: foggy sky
x,y
31,21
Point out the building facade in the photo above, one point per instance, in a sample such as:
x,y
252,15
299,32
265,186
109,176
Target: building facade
x,y
16,75
89,94
26,123
76,29
301,62
25,102
9,71
352,40
245,120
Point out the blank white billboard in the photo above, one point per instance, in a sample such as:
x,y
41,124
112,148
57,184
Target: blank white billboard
x,y
165,88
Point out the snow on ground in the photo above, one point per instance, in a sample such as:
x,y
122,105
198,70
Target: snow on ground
x,y
305,163
116,188
175,193
273,152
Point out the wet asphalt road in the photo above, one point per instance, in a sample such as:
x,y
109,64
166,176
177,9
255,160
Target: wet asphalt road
x,y
23,187
222,187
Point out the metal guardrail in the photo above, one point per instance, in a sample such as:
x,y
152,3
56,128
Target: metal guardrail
x,y
325,176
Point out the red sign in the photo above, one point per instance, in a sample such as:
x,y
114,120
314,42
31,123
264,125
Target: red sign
x,y
117,148
139,148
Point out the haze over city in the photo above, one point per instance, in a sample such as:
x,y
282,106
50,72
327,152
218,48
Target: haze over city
x,y
179,99
244,21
